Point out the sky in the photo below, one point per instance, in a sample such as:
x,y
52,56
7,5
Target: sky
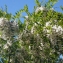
x,y
15,5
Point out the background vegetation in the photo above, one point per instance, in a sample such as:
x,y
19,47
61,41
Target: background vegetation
x,y
39,39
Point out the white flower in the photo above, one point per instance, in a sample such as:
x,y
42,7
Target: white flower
x,y
40,47
29,47
4,36
42,44
26,17
2,21
0,35
54,27
35,24
48,31
32,30
58,28
9,42
47,23
14,23
40,9
5,46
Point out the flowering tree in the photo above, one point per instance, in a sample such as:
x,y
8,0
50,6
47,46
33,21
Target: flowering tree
x,y
38,40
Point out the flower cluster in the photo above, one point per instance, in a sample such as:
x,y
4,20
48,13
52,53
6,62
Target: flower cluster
x,y
40,9
52,32
55,28
6,46
8,28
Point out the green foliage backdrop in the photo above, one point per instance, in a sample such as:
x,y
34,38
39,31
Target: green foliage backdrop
x,y
39,39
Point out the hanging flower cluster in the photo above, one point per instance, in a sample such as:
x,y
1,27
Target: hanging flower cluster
x,y
8,28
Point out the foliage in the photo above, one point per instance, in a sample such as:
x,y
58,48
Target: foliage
x,y
38,40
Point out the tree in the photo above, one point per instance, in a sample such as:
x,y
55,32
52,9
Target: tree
x,y
38,40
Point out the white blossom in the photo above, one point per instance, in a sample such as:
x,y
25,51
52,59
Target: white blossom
x,y
40,9
42,44
58,29
35,24
4,36
47,24
3,21
29,47
48,31
5,46
9,42
40,47
32,30
8,28
0,35
26,17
